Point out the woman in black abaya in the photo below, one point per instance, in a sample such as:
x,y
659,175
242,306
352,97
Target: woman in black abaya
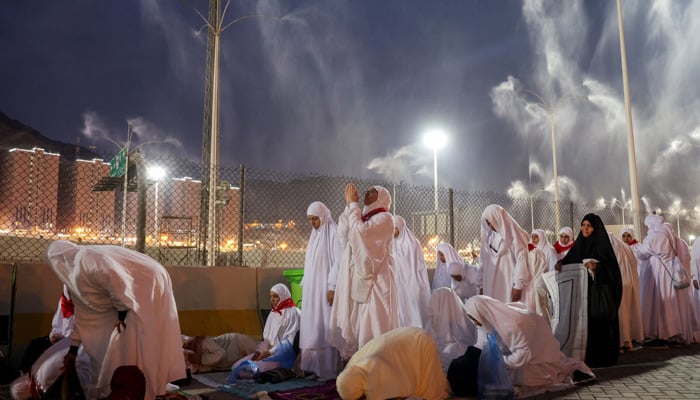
x,y
593,249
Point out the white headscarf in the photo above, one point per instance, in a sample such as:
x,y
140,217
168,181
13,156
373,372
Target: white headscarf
x,y
282,291
505,226
543,242
448,325
284,325
442,276
322,240
628,230
383,200
568,232
534,355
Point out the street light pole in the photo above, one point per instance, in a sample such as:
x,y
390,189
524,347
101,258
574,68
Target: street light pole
x,y
215,27
551,109
631,157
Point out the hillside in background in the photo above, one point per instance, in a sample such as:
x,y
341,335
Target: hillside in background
x,y
14,133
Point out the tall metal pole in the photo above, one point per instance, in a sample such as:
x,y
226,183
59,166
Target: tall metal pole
x,y
435,189
214,154
126,184
631,157
554,165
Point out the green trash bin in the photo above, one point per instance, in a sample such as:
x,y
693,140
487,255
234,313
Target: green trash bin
x,y
294,277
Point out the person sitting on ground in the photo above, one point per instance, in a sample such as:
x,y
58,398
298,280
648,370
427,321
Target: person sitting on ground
x,y
216,353
61,326
401,363
532,354
282,324
466,279
448,325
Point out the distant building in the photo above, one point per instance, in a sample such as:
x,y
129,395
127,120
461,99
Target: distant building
x,y
29,200
82,211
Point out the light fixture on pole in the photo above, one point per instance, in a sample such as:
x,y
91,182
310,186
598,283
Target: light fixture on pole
x,y
215,26
156,173
551,108
435,139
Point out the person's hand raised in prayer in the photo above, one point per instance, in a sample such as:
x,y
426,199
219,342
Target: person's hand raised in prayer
x,y
351,194
330,295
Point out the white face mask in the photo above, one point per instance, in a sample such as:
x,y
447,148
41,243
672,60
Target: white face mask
x,y
495,241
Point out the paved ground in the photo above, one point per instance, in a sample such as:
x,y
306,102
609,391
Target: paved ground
x,y
666,374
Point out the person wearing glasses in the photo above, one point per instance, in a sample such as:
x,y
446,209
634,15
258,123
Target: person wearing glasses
x,y
565,242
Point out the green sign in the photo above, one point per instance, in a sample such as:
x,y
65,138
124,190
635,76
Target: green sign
x,y
117,167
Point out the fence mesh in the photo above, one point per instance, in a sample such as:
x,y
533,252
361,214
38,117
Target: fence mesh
x,y
260,215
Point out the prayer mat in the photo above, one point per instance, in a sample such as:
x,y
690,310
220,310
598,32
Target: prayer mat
x,y
325,391
569,292
249,389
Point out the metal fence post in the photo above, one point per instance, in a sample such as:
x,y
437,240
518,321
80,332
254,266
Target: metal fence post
x,y
241,213
451,214
142,187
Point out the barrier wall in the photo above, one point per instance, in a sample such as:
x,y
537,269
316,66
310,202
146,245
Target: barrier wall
x,y
210,300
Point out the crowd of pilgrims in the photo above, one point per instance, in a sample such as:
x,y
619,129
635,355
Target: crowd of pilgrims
x,y
372,320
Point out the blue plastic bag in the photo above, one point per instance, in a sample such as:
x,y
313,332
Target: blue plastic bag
x,y
494,380
247,370
284,354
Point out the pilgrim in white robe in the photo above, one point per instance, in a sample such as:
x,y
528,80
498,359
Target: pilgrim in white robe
x,y
465,279
532,354
412,284
342,333
695,282
320,276
48,368
683,251
216,353
630,311
561,248
504,257
103,280
546,248
648,294
374,284
669,308
538,267
448,326
282,325
399,364
442,276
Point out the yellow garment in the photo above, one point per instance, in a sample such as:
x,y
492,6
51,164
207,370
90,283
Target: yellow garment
x,y
400,363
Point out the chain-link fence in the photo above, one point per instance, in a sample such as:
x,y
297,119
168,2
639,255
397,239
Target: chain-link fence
x,y
259,216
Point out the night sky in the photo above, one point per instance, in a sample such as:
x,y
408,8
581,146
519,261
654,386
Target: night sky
x,y
336,86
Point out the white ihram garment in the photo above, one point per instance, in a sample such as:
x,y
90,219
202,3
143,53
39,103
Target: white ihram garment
x,y
105,279
504,257
442,277
448,325
374,284
412,285
320,275
630,311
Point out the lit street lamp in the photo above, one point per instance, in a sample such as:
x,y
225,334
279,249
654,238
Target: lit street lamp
x,y
551,108
156,173
614,202
435,139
